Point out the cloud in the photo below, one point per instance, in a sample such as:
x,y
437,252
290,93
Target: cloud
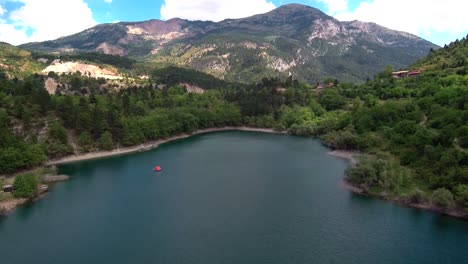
x,y
423,18
46,19
214,10
2,11
335,6
108,1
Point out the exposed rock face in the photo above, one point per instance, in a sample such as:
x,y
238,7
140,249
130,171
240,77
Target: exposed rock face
x,y
193,88
90,70
293,39
51,85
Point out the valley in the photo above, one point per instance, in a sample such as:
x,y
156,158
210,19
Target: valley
x,y
397,99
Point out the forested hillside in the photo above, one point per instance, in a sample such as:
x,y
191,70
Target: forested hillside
x,y
15,62
422,122
413,130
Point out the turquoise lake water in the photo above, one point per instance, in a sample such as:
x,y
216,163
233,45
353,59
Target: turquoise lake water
x,y
229,197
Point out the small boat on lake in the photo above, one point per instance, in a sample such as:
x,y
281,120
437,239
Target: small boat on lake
x,y
157,168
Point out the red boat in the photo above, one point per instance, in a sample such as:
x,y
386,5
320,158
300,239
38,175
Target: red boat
x,y
157,168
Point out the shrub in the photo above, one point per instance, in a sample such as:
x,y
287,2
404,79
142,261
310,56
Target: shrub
x,y
415,196
461,194
86,142
105,141
379,172
343,139
25,186
443,197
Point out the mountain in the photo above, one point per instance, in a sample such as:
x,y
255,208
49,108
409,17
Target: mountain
x,y
293,40
451,59
15,62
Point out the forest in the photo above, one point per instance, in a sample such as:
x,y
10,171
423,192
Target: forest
x,y
413,131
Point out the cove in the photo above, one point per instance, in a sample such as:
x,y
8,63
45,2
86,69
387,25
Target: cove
x,y
227,197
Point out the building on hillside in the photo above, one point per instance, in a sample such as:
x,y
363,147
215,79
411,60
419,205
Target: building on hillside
x,y
281,90
7,188
323,86
414,73
405,74
400,74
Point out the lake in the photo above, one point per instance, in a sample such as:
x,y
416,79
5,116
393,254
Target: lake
x,y
228,197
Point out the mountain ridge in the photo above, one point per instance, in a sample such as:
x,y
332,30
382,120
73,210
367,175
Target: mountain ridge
x,y
293,40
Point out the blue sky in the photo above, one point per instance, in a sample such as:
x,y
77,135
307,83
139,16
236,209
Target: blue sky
x,y
37,20
124,10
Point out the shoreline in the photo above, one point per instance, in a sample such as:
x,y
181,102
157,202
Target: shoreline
x,y
10,204
458,213
350,156
152,145
7,206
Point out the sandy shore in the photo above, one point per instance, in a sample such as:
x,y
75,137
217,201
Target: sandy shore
x,y
151,145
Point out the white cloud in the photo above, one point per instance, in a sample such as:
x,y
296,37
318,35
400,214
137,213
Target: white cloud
x,y
49,19
214,10
2,11
335,6
108,1
417,17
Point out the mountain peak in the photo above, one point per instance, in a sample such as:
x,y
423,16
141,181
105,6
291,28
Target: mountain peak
x,y
291,9
291,39
295,6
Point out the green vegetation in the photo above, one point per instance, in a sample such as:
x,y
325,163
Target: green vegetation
x,y
2,194
15,62
175,75
413,130
443,197
380,173
91,57
25,186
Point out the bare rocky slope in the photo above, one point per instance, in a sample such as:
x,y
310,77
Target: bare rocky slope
x,y
292,40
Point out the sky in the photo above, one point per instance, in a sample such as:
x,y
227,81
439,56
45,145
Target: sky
x,y
22,21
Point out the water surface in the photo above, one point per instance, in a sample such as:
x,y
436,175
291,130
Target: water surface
x,y
229,197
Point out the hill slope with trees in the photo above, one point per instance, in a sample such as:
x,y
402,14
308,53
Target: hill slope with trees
x,y
413,131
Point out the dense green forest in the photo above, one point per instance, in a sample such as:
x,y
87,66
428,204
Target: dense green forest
x,y
413,130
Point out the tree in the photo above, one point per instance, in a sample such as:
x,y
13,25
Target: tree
x,y
330,99
415,196
461,194
85,141
25,186
57,141
105,141
58,133
443,197
296,115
